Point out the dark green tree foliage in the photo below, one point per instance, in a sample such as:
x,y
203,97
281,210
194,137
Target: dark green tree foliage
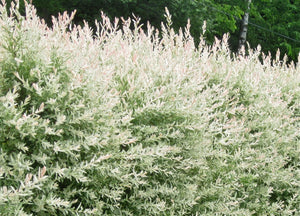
x,y
48,8
89,10
281,16
270,21
221,16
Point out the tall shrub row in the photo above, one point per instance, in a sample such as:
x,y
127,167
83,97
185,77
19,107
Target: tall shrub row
x,y
128,122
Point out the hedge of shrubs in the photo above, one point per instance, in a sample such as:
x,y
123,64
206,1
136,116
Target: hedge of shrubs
x,y
127,122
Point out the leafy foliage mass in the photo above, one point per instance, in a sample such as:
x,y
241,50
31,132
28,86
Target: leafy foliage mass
x,y
275,18
128,123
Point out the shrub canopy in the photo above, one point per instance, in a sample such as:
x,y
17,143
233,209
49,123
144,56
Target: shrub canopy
x,y
130,123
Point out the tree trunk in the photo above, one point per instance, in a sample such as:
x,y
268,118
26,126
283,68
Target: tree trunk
x,y
244,27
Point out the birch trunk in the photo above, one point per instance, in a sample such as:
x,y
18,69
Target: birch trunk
x,y
244,27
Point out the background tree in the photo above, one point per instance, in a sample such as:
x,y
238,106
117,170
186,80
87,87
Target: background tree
x,y
244,27
266,18
281,16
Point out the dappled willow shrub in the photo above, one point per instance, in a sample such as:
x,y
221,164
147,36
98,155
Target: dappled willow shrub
x,y
126,122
